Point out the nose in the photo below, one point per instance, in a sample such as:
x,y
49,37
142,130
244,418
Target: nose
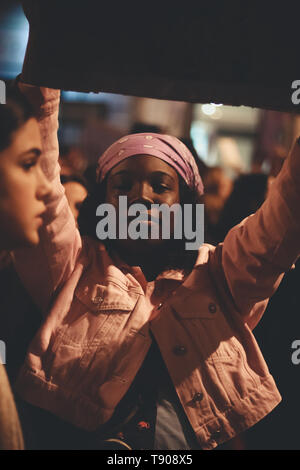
x,y
141,193
43,185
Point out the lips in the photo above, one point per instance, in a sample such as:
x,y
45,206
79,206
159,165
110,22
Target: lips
x,y
41,215
39,221
145,216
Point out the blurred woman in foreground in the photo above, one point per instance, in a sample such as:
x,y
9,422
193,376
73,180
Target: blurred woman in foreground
x,y
23,189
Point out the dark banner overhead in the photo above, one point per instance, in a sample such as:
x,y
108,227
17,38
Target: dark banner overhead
x,y
231,52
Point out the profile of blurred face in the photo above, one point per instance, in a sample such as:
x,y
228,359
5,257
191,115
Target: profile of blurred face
x,y
23,188
76,194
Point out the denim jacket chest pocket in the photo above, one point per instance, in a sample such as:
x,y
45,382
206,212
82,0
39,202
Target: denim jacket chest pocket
x,y
111,297
96,318
214,337
95,310
196,297
195,305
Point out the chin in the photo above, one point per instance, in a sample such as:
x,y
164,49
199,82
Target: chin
x,y
34,239
29,239
151,244
16,236
154,242
139,244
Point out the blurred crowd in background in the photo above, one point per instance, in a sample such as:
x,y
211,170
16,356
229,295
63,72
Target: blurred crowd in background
x,y
239,152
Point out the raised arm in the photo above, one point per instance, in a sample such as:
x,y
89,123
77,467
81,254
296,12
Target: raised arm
x,y
256,253
43,269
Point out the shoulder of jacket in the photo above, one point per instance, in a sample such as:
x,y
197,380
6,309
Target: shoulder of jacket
x,y
204,253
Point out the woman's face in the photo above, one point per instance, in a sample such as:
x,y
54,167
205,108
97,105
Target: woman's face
x,y
23,188
143,179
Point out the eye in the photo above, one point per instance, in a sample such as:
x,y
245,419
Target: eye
x,y
30,160
161,187
29,163
123,186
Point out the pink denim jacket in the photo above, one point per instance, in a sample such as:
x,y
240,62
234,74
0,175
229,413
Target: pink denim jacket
x,y
99,313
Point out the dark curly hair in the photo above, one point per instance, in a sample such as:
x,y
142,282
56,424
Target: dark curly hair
x,y
13,115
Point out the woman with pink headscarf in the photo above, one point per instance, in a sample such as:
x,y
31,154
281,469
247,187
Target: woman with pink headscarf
x,y
144,344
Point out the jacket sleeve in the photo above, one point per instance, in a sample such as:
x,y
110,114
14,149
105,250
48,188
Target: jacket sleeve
x,y
45,268
256,253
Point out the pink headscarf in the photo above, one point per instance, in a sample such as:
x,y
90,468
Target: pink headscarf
x,y
167,148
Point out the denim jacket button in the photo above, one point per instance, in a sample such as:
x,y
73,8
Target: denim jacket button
x,y
212,307
97,300
179,350
216,435
197,397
